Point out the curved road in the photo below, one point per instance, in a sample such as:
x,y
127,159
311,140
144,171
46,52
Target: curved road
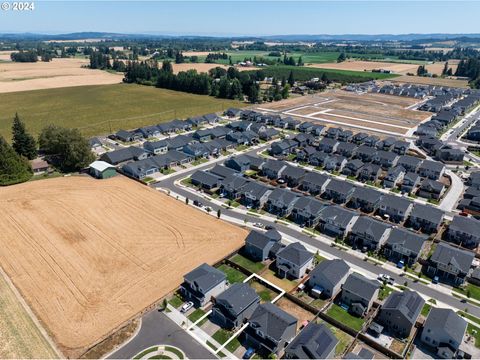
x,y
333,251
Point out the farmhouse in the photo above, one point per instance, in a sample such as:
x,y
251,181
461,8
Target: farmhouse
x,y
102,170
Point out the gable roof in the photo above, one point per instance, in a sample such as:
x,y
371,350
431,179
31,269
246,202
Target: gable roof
x,y
361,286
427,213
238,297
295,253
205,276
309,204
222,171
271,320
315,178
465,225
337,214
447,320
446,254
408,302
339,186
284,196
262,239
395,202
366,194
332,270
371,227
315,341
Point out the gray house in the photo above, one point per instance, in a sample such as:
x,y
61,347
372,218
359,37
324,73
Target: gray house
x,y
397,209
235,305
404,245
293,175
426,218
385,159
315,341
394,177
156,147
431,189
409,163
328,145
205,180
315,183
258,244
464,231
431,169
307,210
410,181
444,331
230,186
365,199
203,283
338,191
254,195
450,264
359,293
368,232
327,278
280,202
293,261
270,329
336,221
365,153
400,311
273,169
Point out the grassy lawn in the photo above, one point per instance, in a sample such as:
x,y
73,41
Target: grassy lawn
x,y
471,291
475,332
233,203
145,352
102,109
265,293
285,284
426,309
344,317
291,157
317,259
254,267
384,292
197,314
199,161
344,340
468,316
175,301
233,275
241,147
222,336
167,171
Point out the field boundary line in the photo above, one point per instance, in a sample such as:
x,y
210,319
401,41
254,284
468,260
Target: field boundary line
x,y
32,315
134,335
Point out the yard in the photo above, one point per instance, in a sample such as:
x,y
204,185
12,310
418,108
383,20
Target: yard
x,y
345,318
384,292
470,291
295,310
266,294
197,314
426,309
222,335
254,267
344,340
285,284
233,275
475,332
103,109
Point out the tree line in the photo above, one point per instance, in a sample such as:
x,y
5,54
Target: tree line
x,y
67,149
470,68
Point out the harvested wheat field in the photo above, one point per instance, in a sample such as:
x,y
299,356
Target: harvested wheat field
x,y
438,81
87,255
369,66
57,73
20,337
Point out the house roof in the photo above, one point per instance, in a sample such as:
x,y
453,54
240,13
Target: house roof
x,y
284,196
234,182
238,296
293,172
255,189
121,155
337,215
315,178
407,302
448,255
274,165
339,186
449,321
262,239
371,227
432,186
407,239
222,171
361,286
295,253
271,320
366,194
386,155
427,213
432,165
96,165
465,225
205,178
395,202
315,341
309,205
332,270
205,276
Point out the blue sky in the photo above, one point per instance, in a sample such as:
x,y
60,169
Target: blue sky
x,y
229,17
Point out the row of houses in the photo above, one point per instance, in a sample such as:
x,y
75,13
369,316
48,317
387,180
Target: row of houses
x,y
440,151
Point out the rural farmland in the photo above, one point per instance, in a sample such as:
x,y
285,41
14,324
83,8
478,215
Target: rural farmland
x,y
88,255
102,109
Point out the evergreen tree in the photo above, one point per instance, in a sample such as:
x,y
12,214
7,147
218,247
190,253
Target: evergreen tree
x,y
285,91
284,81
167,66
291,79
324,77
445,69
300,61
13,168
23,143
342,57
253,94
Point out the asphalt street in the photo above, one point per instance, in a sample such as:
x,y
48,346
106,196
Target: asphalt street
x,y
323,247
158,329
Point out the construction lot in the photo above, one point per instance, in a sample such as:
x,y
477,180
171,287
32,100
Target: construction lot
x,y
385,114
88,255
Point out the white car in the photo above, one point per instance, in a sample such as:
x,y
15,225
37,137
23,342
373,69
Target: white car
x,y
187,306
383,277
259,225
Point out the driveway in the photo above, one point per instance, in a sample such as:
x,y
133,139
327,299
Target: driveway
x,y
157,329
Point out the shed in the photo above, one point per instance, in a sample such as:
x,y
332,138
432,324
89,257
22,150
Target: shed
x,y
102,170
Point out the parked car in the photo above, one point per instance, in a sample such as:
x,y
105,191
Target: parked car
x,y
435,280
249,353
187,306
259,225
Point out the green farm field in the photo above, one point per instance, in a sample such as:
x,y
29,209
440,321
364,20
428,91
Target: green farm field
x,y
102,109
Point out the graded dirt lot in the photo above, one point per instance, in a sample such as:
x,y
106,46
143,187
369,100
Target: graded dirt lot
x,y
87,254
20,337
57,73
